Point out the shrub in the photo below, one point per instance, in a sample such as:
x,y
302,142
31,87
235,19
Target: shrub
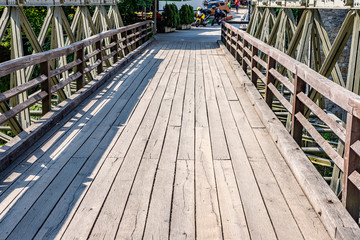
x,y
171,15
187,14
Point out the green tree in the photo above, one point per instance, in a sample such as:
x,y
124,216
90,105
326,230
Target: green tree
x,y
129,7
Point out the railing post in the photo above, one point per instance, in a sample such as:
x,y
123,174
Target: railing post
x,y
254,77
99,57
243,63
351,195
133,31
222,33
231,40
237,46
80,68
127,47
116,56
269,79
298,106
46,86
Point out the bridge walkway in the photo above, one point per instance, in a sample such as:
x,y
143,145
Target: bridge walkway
x,y
169,147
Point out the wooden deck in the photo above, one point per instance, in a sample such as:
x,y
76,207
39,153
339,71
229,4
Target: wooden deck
x,y
171,147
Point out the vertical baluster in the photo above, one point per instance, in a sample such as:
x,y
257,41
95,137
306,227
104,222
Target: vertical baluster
x,y
237,46
269,79
46,86
244,64
254,77
231,41
298,106
351,195
80,68
116,47
99,56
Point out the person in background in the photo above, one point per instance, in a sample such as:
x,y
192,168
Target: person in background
x,y
237,5
229,4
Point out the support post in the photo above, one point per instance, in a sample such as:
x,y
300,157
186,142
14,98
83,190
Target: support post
x,y
351,195
99,57
298,106
269,79
244,64
46,86
116,48
254,77
80,68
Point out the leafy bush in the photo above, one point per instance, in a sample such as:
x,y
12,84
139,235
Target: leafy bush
x,y
187,14
171,15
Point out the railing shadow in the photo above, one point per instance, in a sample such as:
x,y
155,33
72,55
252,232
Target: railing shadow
x,y
60,167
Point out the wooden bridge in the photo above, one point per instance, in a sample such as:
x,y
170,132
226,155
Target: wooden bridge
x,y
173,139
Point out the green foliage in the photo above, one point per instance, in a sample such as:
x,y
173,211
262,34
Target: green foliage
x,y
171,15
187,14
327,136
128,8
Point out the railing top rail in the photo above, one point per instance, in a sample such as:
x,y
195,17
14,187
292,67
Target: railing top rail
x,y
335,93
26,61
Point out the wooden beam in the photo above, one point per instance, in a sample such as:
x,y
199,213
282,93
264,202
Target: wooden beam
x,y
4,21
353,77
19,76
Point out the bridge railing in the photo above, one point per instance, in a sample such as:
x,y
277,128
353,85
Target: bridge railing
x,y
91,56
277,71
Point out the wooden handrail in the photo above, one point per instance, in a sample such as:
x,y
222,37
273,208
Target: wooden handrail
x,y
250,52
80,65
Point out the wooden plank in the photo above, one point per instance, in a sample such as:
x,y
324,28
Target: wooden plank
x,y
135,212
187,136
158,219
178,103
232,212
208,222
254,207
182,224
218,141
250,114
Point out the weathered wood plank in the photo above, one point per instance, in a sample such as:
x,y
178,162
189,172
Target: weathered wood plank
x,y
158,220
187,136
183,205
254,207
218,141
208,222
232,212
